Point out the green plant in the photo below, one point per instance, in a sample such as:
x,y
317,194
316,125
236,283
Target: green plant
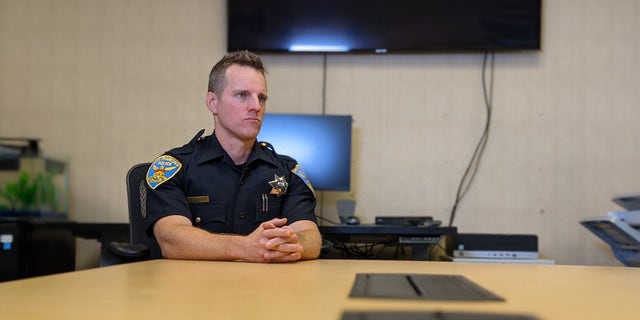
x,y
47,195
27,194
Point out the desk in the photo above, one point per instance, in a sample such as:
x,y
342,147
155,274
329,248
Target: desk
x,y
417,237
318,289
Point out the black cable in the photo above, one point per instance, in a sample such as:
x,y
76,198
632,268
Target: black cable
x,y
324,111
320,207
324,84
474,163
327,220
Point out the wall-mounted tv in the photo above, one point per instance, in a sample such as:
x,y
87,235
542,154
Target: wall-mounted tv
x,y
320,143
383,26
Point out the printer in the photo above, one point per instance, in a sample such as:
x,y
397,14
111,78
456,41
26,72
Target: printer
x,y
620,229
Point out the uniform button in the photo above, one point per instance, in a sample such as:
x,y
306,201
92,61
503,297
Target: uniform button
x,y
198,219
242,215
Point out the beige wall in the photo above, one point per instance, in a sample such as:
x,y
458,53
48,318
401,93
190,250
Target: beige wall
x,y
107,84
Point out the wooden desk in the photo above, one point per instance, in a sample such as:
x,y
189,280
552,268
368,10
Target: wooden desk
x,y
319,289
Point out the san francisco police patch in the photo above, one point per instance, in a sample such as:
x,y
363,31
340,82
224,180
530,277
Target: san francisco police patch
x,y
297,170
161,170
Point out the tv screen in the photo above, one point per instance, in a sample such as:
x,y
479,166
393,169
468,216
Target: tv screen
x,y
320,143
383,26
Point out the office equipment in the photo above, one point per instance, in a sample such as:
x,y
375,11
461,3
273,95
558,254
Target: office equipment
x,y
320,143
33,246
46,245
419,286
346,211
498,246
382,26
620,230
629,202
425,221
319,289
359,241
501,260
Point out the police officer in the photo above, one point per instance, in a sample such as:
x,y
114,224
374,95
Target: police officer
x,y
226,196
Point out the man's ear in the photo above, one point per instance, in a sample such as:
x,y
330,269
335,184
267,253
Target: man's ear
x,y
211,100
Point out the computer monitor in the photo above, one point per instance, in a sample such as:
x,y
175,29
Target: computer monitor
x,y
320,143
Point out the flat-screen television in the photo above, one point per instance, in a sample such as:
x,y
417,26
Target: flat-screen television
x,y
383,26
320,143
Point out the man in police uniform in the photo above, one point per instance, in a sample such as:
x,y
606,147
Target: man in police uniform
x,y
226,196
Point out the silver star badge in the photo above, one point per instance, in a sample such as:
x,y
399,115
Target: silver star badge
x,y
278,185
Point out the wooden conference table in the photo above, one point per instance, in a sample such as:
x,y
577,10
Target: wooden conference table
x,y
166,289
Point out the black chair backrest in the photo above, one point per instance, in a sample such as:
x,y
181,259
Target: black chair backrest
x,y
137,195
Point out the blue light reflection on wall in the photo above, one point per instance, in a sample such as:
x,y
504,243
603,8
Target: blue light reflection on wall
x,y
319,41
317,48
320,143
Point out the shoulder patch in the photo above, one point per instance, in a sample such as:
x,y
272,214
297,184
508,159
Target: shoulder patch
x,y
161,170
297,170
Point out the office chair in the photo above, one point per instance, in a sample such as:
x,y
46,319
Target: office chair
x,y
141,246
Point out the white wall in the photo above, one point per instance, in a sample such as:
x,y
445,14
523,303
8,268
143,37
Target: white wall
x,y
107,84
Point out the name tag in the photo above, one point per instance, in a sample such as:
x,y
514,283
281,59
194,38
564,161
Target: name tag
x,y
198,199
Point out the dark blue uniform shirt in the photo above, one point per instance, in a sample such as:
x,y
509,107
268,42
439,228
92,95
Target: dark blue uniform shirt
x,y
221,197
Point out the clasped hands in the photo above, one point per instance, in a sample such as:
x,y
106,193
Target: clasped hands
x,y
274,241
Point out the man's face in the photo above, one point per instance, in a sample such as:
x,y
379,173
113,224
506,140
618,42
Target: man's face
x,y
240,107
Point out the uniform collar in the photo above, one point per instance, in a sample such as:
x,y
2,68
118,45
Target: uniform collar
x,y
211,149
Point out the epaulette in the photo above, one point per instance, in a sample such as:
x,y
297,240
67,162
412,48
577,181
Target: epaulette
x,y
188,148
197,137
268,146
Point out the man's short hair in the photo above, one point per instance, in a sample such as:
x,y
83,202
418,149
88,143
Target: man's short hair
x,y
243,58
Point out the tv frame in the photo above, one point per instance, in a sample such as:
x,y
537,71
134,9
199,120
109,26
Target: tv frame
x,y
276,26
